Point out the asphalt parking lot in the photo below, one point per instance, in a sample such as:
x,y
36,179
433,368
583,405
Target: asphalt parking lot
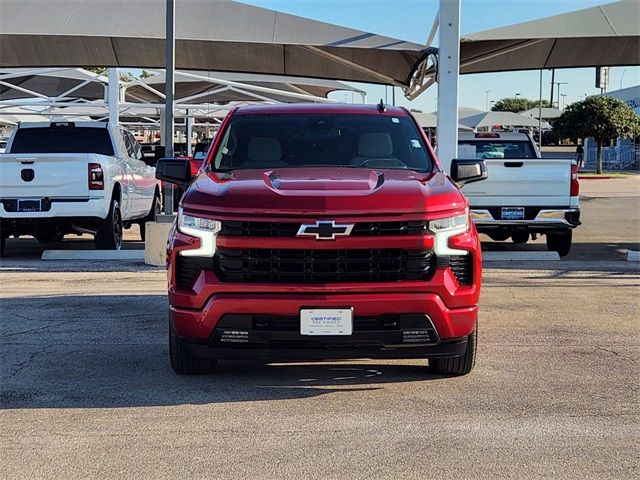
x,y
87,391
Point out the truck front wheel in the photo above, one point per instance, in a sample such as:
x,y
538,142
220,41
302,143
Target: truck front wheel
x,y
560,242
182,362
109,234
458,365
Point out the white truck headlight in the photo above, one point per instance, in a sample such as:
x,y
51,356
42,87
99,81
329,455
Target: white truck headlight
x,y
203,228
444,229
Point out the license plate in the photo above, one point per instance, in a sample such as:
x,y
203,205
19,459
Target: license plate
x,y
513,213
29,206
326,321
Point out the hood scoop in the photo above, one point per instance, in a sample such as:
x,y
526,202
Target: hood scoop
x,y
341,180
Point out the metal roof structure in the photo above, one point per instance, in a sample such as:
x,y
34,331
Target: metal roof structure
x,y
209,87
52,83
20,114
219,35
603,35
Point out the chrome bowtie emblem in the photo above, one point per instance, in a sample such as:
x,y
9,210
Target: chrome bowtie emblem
x,y
325,230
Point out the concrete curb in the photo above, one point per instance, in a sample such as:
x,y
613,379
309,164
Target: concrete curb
x,y
633,256
93,255
520,256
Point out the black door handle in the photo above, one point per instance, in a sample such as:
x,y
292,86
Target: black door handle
x,y
513,164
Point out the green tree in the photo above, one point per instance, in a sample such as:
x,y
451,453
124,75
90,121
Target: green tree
x,y
98,70
603,118
516,104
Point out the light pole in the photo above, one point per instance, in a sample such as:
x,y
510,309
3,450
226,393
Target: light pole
x,y
558,84
622,76
486,103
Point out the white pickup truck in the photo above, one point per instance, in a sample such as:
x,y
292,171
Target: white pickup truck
x,y
524,194
65,177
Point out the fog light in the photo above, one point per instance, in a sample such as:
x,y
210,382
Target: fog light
x,y
416,336
234,336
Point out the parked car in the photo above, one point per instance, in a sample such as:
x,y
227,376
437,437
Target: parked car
x,y
525,195
322,231
75,177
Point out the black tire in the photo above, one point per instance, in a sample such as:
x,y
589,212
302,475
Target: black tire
x,y
461,365
182,362
109,234
3,239
156,209
520,237
49,238
560,242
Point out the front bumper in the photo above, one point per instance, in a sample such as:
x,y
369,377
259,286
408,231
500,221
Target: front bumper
x,y
544,220
396,325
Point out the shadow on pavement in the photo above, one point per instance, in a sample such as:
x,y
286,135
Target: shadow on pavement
x,y
110,351
29,248
596,251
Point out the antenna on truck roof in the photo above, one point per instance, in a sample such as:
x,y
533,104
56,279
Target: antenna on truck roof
x,y
381,107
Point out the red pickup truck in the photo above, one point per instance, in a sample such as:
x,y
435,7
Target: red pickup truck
x,y
322,231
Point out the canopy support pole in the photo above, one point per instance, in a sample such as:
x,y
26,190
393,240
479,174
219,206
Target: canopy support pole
x,y
170,46
448,73
113,95
189,122
540,115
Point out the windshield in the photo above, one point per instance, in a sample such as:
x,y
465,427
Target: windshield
x,y
62,140
495,149
298,141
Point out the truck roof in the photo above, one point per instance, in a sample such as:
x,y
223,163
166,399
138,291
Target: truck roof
x,y
326,108
493,136
83,124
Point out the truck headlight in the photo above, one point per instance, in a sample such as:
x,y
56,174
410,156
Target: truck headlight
x,y
203,228
445,228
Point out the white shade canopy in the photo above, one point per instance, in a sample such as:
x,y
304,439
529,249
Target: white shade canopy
x,y
492,119
210,35
547,112
604,35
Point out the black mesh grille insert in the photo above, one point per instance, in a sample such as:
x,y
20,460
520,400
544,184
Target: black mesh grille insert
x,y
187,269
288,229
323,266
462,268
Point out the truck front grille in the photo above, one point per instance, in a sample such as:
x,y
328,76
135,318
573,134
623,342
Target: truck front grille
x,y
289,229
323,266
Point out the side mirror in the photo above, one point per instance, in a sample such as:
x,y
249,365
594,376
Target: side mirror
x,y
468,171
174,170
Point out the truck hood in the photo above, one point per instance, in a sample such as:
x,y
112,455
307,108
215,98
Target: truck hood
x,y
323,191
